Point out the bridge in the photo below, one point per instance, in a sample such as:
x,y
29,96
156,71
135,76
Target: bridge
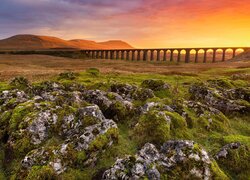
x,y
165,54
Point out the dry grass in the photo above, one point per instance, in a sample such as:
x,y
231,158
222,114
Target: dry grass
x,y
39,67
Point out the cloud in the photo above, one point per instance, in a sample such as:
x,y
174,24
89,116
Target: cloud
x,y
138,21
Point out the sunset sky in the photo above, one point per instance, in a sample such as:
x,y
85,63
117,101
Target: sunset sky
x,y
142,23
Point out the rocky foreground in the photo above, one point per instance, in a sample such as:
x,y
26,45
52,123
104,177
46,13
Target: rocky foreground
x,y
60,129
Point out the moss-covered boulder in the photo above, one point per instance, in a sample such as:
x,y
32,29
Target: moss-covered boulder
x,y
175,160
142,94
153,127
155,85
234,158
120,111
159,126
199,115
220,83
217,98
131,92
125,90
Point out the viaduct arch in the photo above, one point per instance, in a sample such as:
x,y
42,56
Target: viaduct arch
x,y
162,54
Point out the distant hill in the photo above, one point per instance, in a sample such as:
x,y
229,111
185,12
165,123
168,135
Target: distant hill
x,y
34,42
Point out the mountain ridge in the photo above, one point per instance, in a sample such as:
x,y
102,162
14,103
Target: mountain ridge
x,y
39,42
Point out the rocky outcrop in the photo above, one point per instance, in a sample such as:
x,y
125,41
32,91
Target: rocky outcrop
x,y
175,159
56,130
130,92
77,137
224,150
226,101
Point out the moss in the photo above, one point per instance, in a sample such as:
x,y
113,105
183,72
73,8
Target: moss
x,y
100,85
219,122
41,173
4,117
54,141
163,94
240,83
2,157
67,75
152,127
118,111
2,175
223,83
142,94
19,113
4,123
22,146
93,71
182,171
81,157
217,173
155,85
4,86
89,121
19,82
75,174
177,121
101,141
111,96
237,161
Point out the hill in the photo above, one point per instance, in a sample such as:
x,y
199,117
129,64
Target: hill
x,y
34,42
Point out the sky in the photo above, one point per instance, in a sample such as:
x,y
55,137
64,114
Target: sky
x,y
142,23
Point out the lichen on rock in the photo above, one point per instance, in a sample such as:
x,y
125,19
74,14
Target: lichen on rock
x,y
175,159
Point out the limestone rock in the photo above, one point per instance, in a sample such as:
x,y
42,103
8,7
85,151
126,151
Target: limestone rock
x,y
186,156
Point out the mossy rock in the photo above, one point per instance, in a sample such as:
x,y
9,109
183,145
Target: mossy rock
x,y
155,85
217,173
214,122
237,162
20,82
178,126
221,83
4,123
41,173
74,174
143,94
19,114
153,128
22,145
67,75
118,111
103,140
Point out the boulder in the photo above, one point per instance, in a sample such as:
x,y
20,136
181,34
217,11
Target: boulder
x,y
155,85
180,159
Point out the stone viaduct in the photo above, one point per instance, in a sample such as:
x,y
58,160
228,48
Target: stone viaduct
x,y
161,54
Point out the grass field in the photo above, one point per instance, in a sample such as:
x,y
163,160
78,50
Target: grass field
x,y
40,67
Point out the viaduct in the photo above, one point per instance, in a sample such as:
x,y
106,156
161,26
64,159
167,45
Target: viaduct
x,y
161,54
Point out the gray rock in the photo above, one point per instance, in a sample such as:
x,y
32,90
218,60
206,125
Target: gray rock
x,y
39,126
224,150
99,98
173,154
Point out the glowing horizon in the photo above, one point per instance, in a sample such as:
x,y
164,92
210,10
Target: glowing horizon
x,y
142,23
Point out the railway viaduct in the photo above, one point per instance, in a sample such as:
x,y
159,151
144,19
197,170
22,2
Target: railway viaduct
x,y
161,54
